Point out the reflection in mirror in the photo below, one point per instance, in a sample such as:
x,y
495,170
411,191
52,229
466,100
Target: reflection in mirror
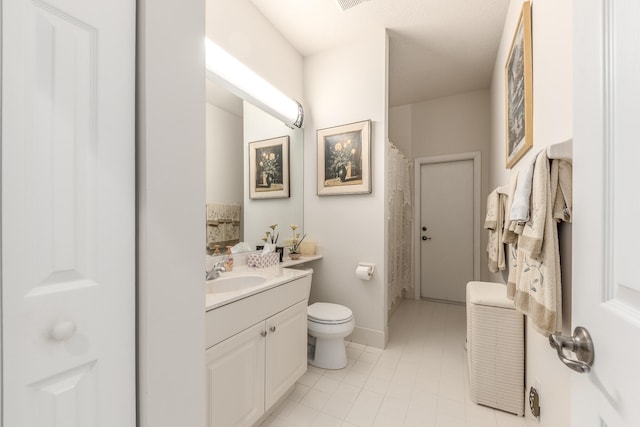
x,y
259,214
224,173
231,125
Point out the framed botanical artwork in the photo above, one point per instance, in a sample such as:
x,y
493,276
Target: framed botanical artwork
x,y
518,91
344,159
269,168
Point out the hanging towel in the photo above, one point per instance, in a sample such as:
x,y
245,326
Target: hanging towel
x,y
491,219
494,222
538,290
520,206
562,190
509,237
508,233
223,224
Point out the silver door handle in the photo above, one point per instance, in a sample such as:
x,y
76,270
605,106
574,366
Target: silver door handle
x,y
580,343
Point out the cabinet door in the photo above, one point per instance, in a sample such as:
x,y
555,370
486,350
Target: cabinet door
x,y
286,350
235,379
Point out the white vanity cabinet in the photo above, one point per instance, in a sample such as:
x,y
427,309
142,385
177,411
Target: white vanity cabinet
x,y
286,354
257,349
235,383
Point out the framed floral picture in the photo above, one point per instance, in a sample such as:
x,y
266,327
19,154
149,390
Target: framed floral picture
x,y
344,159
518,91
269,168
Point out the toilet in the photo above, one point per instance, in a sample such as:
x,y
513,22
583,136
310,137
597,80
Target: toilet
x,y
327,326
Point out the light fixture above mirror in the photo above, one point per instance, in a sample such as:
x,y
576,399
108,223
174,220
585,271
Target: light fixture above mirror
x,y
236,77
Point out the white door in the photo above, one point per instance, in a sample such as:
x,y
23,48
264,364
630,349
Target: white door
x,y
606,271
447,234
68,213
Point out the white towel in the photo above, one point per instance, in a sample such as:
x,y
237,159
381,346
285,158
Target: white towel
x,y
538,290
520,206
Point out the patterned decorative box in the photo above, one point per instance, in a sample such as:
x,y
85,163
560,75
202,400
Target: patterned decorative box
x,y
263,260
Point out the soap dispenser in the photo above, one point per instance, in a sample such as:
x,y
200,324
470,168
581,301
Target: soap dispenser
x,y
228,262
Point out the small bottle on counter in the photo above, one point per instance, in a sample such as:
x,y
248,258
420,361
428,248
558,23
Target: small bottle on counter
x,y
228,262
216,250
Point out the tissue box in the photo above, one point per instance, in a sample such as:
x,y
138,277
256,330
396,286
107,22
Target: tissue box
x,y
279,250
263,260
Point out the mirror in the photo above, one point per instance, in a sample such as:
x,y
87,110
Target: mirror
x,y
231,125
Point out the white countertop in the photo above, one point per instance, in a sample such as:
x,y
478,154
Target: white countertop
x,y
275,276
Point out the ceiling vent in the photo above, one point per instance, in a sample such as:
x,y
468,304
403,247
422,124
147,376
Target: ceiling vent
x,y
348,4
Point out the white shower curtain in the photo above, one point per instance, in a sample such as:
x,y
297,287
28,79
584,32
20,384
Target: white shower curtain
x,y
400,224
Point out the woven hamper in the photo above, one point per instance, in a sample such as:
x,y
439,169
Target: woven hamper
x,y
495,348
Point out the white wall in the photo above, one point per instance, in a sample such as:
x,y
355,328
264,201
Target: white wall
x,y
224,156
552,122
401,130
449,125
346,85
170,196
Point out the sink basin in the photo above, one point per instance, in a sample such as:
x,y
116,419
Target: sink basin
x,y
234,283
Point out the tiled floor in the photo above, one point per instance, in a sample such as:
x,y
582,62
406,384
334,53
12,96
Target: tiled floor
x,y
420,379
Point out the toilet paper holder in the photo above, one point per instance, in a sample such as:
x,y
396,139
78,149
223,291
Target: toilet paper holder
x,y
364,270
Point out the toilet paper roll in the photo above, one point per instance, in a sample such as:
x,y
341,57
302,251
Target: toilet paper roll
x,y
363,272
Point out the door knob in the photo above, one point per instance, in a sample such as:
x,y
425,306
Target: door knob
x,y
426,238
580,344
263,334
63,330
424,228
272,329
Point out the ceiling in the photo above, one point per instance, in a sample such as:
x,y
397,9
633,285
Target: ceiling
x,y
436,47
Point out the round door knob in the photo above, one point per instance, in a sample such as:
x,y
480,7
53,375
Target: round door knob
x,y
263,333
272,329
424,228
63,330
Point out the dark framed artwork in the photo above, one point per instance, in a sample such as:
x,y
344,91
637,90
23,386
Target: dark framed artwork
x,y
344,159
269,168
518,91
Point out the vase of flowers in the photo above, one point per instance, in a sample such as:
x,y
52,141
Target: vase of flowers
x,y
269,164
294,249
341,154
271,238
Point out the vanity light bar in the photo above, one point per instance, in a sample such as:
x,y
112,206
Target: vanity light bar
x,y
241,81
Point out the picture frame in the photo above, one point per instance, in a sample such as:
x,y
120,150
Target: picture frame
x,y
344,159
519,91
269,168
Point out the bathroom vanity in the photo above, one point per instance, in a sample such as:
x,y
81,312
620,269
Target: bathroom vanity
x,y
256,341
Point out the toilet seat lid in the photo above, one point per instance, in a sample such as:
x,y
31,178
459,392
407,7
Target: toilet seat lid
x,y
324,312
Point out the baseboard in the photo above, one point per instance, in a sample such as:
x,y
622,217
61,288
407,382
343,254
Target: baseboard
x,y
368,337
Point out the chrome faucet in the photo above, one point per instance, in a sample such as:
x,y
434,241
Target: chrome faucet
x,y
214,273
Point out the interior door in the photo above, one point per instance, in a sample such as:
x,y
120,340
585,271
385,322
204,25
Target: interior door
x,y
606,291
68,213
447,229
